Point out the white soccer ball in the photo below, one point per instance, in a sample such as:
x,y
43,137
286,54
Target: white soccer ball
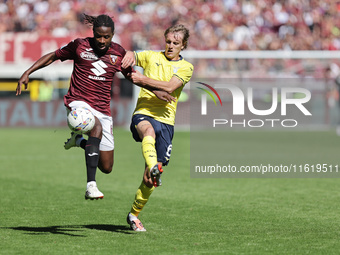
x,y
80,120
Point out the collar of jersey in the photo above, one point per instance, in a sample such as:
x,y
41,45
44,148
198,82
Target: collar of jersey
x,y
180,57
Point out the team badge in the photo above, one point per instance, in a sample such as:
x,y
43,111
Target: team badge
x,y
113,59
176,68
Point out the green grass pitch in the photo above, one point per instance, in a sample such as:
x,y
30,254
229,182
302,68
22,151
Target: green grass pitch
x,y
43,210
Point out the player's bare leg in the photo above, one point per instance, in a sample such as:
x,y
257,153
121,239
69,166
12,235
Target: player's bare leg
x,y
94,158
106,159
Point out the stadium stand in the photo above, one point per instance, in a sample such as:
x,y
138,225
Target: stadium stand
x,y
299,36
216,25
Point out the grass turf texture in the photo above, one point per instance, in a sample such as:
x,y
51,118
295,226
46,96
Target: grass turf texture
x,y
43,210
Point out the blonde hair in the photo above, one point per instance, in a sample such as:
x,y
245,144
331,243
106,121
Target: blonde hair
x,y
179,28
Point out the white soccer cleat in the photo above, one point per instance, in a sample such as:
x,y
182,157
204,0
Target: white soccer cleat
x,y
155,174
135,223
92,192
72,142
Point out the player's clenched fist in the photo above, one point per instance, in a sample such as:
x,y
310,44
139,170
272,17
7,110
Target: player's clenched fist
x,y
137,77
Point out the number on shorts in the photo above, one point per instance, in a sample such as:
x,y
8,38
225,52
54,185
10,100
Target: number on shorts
x,y
168,152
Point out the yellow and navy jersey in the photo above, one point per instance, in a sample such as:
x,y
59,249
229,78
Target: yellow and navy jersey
x,y
156,66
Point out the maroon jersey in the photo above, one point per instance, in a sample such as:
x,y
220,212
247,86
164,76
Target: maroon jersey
x,y
92,75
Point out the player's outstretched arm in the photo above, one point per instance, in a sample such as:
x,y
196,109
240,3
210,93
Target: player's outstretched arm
x,y
40,63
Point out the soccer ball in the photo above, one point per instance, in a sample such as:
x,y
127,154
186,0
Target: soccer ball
x,y
80,120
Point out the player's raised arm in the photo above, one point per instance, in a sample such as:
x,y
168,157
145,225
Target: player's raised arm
x,y
40,63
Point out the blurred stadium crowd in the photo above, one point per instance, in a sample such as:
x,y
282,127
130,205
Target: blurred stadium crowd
x,y
225,25
214,24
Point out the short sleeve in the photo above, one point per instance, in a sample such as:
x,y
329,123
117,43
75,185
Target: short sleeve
x,y
185,73
67,52
142,58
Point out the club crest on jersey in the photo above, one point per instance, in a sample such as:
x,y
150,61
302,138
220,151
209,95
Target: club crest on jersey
x,y
88,55
176,68
113,59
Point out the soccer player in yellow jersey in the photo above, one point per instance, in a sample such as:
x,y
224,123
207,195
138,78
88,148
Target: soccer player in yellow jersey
x,y
153,119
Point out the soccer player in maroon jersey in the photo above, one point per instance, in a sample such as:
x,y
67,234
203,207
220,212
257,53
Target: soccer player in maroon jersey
x,y
96,60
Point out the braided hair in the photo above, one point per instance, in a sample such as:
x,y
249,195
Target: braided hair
x,y
99,21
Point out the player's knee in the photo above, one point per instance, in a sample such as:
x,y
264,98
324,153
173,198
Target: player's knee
x,y
106,168
149,132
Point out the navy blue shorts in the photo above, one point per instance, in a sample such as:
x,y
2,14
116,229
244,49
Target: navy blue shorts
x,y
164,134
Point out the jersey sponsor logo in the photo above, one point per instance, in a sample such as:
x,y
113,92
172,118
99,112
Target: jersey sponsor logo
x,y
99,68
113,59
89,49
88,55
158,64
97,78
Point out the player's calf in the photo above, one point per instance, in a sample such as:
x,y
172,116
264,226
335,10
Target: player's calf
x,y
105,163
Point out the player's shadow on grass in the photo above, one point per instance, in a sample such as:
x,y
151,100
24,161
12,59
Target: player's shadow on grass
x,y
68,229
59,230
111,228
